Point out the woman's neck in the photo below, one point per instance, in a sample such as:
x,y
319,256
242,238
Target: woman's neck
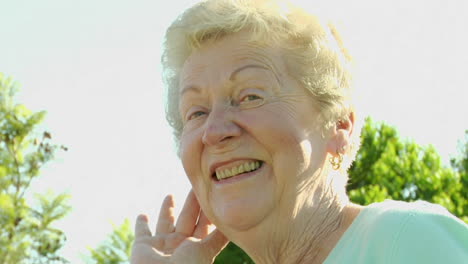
x,y
305,234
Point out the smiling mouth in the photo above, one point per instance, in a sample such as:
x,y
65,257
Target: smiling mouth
x,y
241,169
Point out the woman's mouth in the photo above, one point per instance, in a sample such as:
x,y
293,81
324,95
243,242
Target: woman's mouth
x,y
241,169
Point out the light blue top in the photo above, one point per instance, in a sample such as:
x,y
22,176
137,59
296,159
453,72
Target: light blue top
x,y
401,232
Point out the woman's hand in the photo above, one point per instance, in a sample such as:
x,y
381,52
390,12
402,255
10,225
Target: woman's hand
x,y
186,242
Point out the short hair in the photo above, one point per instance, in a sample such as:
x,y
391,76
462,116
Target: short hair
x,y
313,52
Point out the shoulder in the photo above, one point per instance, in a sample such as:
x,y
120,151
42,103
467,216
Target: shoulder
x,y
421,232
390,210
421,212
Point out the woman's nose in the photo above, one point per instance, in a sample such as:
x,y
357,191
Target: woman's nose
x,y
220,127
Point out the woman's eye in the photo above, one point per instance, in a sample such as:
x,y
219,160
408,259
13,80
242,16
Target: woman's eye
x,y
250,97
195,115
251,101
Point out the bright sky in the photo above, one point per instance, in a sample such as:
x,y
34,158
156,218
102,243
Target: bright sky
x,y
94,67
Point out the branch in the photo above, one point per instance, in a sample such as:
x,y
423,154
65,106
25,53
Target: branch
x,y
12,152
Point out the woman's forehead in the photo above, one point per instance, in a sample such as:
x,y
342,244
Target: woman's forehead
x,y
229,58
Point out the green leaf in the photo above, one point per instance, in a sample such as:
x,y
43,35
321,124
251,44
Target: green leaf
x,y
3,172
6,204
26,234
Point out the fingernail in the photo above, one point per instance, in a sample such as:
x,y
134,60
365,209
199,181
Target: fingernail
x,y
143,217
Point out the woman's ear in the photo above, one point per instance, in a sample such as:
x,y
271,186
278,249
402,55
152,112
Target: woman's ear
x,y
340,138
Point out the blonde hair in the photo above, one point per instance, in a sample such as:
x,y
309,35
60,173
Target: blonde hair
x,y
313,53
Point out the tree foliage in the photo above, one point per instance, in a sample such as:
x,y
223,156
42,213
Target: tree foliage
x,y
389,167
460,164
26,233
233,254
117,248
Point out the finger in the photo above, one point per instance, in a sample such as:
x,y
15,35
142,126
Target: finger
x,y
203,226
215,242
166,218
189,215
141,227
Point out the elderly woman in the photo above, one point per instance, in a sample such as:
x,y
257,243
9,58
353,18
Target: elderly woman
x,y
259,99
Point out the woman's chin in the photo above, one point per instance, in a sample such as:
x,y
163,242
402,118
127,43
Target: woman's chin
x,y
243,213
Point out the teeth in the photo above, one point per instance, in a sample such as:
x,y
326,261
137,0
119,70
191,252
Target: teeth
x,y
246,167
234,171
240,169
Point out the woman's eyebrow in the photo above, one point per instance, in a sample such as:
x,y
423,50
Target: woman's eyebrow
x,y
235,72
232,77
258,66
191,88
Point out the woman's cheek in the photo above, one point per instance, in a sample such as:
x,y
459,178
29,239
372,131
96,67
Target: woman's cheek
x,y
190,153
191,148
263,124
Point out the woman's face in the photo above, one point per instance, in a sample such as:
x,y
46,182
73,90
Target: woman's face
x,y
244,116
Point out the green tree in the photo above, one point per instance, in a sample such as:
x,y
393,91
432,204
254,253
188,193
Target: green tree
x,y
388,167
116,249
26,233
460,165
